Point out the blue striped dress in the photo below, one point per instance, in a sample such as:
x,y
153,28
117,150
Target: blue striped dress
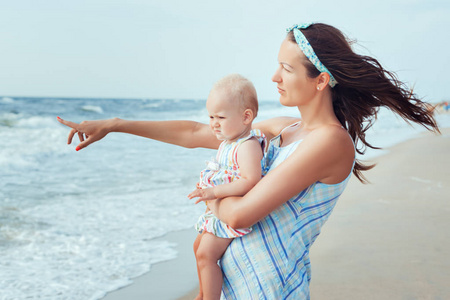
x,y
272,262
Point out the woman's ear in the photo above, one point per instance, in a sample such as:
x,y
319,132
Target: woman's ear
x,y
322,80
248,116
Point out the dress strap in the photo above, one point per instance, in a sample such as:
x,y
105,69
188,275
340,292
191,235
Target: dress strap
x,y
289,126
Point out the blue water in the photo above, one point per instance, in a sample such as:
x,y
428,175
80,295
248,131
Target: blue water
x,y
75,225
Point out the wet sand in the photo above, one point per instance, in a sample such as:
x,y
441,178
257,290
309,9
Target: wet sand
x,y
166,280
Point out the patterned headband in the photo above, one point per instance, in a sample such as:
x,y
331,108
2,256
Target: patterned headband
x,y
309,51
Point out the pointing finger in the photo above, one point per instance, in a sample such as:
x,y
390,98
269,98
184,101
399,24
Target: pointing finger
x,y
68,123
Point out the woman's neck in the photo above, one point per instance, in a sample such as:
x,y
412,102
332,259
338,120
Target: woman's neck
x,y
318,112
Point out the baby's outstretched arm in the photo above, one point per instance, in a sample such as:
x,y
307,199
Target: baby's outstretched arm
x,y
249,159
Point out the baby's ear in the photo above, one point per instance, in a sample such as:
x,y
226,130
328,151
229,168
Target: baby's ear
x,y
248,116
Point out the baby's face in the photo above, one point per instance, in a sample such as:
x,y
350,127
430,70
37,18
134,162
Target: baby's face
x,y
226,117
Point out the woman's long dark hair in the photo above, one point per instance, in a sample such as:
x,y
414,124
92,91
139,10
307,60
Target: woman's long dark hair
x,y
363,87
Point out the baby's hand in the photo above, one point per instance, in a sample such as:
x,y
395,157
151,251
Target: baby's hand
x,y
202,194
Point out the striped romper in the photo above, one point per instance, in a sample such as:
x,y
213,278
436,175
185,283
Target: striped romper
x,y
224,169
272,262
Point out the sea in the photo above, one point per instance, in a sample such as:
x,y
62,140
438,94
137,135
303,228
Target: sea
x,y
76,225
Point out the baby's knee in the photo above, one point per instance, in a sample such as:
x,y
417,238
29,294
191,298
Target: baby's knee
x,y
204,255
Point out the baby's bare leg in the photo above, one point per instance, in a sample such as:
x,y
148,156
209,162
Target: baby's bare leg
x,y
196,244
209,251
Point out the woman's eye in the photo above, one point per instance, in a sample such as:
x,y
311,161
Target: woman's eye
x,y
285,67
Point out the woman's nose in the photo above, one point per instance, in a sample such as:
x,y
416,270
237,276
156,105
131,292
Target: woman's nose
x,y
276,76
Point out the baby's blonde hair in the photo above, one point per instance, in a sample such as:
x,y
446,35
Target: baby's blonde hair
x,y
241,89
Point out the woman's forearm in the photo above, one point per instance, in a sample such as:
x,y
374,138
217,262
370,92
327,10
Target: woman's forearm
x,y
187,134
232,211
222,210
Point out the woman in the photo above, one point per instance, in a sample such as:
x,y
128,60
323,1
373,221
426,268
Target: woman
x,y
308,162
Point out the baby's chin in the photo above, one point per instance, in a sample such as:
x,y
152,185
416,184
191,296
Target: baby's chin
x,y
220,137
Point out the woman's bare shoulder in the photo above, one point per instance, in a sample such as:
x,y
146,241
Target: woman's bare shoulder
x,y
332,138
272,127
335,148
335,134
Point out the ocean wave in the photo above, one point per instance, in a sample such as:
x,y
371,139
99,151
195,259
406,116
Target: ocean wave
x,y
92,108
152,105
88,251
9,119
37,122
7,100
12,119
28,140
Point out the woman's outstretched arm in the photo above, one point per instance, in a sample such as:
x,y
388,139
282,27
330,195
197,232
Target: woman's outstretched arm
x,y
187,134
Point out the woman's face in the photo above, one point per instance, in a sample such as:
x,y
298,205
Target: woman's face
x,y
293,83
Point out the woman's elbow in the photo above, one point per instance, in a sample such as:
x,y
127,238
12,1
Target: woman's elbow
x,y
231,217
234,222
235,215
238,220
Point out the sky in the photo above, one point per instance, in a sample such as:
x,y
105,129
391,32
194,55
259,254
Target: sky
x,y
176,49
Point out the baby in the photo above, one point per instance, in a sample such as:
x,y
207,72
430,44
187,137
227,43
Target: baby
x,y
232,106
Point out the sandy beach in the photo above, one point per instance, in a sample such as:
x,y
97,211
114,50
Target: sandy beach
x,y
385,240
389,239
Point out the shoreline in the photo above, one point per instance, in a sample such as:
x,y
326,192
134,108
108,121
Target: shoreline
x,y
171,279
381,242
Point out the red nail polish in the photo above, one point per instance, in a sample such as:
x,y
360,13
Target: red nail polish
x,y
58,118
77,148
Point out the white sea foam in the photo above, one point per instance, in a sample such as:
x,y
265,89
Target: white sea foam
x,y
92,108
80,247
6,100
152,105
28,138
97,248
